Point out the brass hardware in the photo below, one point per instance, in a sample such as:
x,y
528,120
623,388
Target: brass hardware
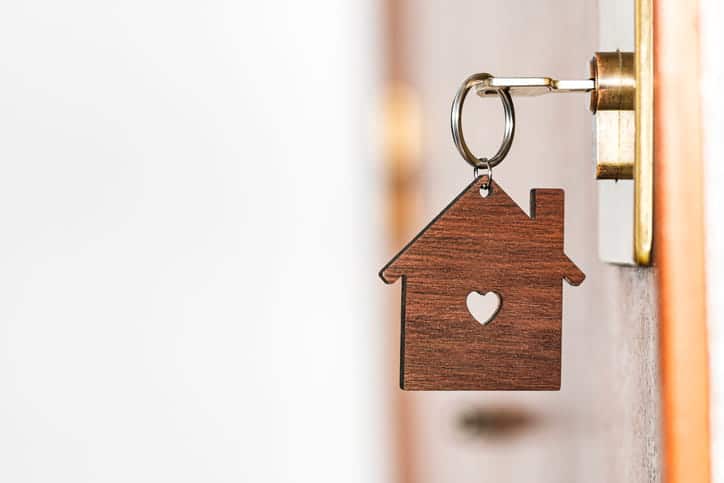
x,y
644,111
615,133
612,102
615,83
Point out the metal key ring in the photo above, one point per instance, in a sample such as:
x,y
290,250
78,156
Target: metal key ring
x,y
456,123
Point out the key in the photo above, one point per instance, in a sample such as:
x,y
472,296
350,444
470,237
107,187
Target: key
x,y
532,86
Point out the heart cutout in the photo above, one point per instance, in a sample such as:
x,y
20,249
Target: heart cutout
x,y
485,307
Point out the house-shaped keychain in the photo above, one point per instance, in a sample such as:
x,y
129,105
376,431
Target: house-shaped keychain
x,y
479,245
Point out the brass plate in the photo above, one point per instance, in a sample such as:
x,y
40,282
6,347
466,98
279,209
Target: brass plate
x,y
644,112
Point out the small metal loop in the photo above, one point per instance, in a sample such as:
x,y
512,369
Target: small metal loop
x,y
457,126
487,177
488,171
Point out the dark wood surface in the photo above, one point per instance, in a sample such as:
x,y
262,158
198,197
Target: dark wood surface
x,y
484,244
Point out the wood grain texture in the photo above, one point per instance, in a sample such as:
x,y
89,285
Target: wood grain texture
x,y
484,244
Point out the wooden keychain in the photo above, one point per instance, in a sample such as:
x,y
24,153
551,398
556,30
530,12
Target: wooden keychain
x,y
483,248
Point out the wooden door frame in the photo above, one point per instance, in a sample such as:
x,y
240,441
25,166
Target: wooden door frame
x,y
679,242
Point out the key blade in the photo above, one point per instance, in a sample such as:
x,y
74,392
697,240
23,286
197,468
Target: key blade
x,y
531,86
586,85
519,86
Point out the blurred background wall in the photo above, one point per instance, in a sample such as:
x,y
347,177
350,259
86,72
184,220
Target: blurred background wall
x,y
712,65
188,195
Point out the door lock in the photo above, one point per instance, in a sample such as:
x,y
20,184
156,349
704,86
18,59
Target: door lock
x,y
612,86
624,139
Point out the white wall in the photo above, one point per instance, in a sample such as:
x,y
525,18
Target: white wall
x,y
712,67
186,197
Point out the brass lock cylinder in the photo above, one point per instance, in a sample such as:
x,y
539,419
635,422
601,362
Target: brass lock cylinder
x,y
612,100
615,81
